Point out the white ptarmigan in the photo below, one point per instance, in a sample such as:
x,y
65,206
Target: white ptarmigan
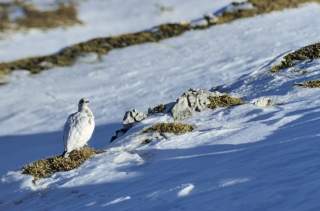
x,y
78,128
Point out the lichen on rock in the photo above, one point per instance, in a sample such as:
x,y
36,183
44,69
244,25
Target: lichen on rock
x,y
190,101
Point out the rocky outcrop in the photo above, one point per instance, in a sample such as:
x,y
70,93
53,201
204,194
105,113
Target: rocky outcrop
x,y
129,119
191,101
133,116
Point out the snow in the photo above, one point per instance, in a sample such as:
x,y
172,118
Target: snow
x,y
242,158
186,190
101,19
233,181
118,200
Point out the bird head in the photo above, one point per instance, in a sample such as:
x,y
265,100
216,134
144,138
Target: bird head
x,y
83,102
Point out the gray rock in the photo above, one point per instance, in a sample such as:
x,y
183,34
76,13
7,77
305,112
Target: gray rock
x,y
129,119
191,101
133,116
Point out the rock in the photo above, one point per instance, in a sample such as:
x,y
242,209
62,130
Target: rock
x,y
129,119
262,102
133,116
119,133
199,23
211,18
190,101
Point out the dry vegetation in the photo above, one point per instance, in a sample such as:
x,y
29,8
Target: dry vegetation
x,y
224,101
68,56
64,15
175,128
306,53
310,84
47,167
261,7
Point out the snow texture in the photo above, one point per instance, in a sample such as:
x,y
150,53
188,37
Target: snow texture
x,y
241,158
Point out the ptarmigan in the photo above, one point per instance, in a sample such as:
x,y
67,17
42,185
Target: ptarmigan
x,y
78,128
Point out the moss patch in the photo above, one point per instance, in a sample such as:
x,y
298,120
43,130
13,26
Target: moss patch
x,y
68,56
223,101
310,84
306,53
47,167
175,128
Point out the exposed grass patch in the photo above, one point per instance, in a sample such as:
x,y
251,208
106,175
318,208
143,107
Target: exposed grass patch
x,y
261,7
265,6
223,101
175,128
47,167
309,52
68,56
310,84
31,17
64,15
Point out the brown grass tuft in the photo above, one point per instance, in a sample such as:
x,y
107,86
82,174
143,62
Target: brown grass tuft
x,y
310,84
306,53
175,128
47,167
64,15
223,101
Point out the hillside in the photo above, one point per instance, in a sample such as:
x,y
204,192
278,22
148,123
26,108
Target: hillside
x,y
246,157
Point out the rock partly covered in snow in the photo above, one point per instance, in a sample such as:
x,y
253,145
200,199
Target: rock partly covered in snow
x,y
133,116
207,20
262,102
199,23
190,101
129,119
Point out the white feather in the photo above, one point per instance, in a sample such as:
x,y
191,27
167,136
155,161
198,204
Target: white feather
x,y
78,129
